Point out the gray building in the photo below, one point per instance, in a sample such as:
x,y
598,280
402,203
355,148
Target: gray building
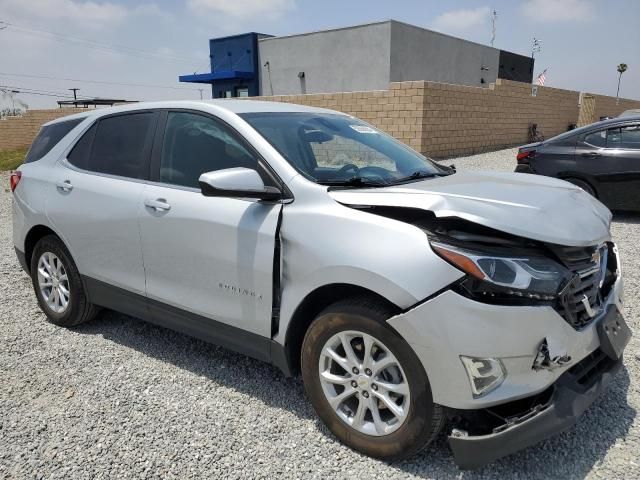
x,y
363,57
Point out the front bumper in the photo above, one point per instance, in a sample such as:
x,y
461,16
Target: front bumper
x,y
545,415
449,325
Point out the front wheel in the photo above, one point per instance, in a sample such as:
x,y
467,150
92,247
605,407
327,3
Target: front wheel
x,y
366,383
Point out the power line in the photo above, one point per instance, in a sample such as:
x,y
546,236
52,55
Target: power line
x,y
100,82
123,49
40,90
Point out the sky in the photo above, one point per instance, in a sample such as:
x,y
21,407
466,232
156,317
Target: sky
x,y
49,46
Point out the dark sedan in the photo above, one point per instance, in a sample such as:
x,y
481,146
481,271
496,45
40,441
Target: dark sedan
x,y
602,158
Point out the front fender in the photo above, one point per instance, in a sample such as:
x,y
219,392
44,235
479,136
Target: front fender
x,y
325,243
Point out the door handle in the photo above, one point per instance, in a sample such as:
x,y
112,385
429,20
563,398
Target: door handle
x,y
590,154
159,205
64,186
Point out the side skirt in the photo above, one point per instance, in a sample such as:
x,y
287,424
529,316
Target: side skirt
x,y
203,328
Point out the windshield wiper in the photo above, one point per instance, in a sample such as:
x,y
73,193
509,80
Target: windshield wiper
x,y
419,174
354,182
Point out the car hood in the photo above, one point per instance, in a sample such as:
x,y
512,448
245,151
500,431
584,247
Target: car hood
x,y
530,206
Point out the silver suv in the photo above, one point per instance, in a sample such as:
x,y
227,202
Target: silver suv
x,y
405,293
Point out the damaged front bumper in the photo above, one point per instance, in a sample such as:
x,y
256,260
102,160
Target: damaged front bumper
x,y
517,425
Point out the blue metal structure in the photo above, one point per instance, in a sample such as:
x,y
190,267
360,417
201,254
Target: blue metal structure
x,y
234,66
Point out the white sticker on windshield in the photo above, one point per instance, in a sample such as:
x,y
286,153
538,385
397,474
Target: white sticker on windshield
x,y
363,129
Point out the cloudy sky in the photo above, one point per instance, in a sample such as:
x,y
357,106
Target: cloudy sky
x,y
136,50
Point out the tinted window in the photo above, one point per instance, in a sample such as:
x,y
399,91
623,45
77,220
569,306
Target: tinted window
x,y
120,146
597,139
79,156
630,137
194,144
48,137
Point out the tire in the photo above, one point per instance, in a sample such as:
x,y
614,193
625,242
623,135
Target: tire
x,y
423,418
78,309
583,185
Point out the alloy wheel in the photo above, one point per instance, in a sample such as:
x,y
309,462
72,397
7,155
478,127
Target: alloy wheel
x,y
364,383
53,282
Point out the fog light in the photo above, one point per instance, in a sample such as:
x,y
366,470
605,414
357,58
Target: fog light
x,y
485,374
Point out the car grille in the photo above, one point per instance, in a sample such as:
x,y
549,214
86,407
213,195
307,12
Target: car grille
x,y
588,266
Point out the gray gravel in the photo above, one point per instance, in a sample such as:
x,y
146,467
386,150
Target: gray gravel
x,y
119,398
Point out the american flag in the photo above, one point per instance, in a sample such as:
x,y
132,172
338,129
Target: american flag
x,y
542,77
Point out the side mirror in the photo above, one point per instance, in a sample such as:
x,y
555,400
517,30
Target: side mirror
x,y
236,182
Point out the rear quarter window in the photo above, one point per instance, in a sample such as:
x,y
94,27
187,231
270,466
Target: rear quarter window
x,y
48,137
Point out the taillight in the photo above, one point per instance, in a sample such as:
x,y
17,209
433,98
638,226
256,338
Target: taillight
x,y
522,157
15,179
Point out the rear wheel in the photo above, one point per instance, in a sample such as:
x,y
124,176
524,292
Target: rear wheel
x,y
583,185
366,383
57,284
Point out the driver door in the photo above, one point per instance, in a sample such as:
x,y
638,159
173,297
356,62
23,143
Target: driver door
x,y
210,256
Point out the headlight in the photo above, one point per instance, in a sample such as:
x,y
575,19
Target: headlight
x,y
530,276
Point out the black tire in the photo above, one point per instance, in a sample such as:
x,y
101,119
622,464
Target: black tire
x,y
79,309
424,419
583,185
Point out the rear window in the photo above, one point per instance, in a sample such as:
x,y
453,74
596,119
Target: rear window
x,y
48,138
116,145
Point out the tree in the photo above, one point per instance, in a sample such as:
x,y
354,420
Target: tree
x,y
621,69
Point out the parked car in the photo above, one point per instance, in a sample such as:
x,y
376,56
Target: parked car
x,y
405,293
634,112
602,158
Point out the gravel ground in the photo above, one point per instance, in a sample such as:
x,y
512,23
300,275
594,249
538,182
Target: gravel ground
x,y
118,398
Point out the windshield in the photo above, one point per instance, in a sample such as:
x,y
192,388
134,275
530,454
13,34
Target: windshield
x,y
335,149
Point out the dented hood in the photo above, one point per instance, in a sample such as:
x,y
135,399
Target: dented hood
x,y
530,206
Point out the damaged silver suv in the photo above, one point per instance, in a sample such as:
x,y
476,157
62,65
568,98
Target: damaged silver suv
x,y
405,293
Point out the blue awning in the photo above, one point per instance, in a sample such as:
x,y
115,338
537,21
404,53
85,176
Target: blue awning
x,y
213,76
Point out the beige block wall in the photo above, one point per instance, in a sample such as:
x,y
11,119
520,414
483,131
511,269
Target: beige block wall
x,y
441,120
462,120
608,107
19,132
437,119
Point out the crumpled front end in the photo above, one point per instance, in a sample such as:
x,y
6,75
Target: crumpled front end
x,y
555,362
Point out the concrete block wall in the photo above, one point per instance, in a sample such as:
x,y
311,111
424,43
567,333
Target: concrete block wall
x,y
19,132
462,120
436,119
442,120
608,107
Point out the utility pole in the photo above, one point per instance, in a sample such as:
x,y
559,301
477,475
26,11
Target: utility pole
x,y
74,90
201,90
494,16
536,46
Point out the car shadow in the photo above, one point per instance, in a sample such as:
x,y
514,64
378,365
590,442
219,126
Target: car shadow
x,y
573,453
626,217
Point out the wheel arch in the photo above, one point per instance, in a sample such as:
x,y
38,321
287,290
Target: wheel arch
x,y
34,235
311,306
588,179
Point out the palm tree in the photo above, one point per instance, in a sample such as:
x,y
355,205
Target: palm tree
x,y
621,69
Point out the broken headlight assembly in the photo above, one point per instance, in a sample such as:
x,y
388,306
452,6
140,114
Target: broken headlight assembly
x,y
505,277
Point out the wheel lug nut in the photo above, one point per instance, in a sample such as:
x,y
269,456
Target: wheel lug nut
x,y
374,386
355,370
365,394
354,384
368,372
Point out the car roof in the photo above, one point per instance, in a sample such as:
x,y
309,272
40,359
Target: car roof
x,y
231,105
610,121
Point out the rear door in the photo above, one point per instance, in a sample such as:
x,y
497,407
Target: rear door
x,y
96,195
210,256
612,158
